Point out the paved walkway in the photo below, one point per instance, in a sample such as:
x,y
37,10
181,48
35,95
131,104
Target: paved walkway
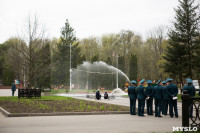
x,y
88,124
123,123
7,92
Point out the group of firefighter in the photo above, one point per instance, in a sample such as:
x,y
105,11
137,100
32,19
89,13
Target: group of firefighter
x,y
164,95
98,95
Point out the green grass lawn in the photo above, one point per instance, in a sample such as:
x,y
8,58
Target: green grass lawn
x,y
15,98
50,104
126,96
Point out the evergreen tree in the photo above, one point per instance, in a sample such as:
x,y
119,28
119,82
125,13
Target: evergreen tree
x,y
180,53
175,57
61,57
198,62
133,67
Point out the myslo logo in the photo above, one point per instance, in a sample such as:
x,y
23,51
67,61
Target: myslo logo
x,y
184,128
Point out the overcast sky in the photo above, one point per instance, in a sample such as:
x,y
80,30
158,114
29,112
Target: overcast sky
x,y
87,17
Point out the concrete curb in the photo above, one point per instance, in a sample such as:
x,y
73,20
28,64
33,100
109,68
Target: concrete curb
x,y
6,113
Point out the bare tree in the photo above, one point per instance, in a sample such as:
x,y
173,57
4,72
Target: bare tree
x,y
28,48
155,43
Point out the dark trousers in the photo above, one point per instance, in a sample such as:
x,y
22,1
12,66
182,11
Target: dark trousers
x,y
158,107
162,106
98,97
13,92
173,106
150,106
166,104
141,104
132,106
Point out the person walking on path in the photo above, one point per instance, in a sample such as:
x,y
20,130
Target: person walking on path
x,y
132,96
141,98
191,92
13,88
173,92
158,94
149,93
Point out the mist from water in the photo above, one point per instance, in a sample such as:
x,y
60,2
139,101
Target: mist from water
x,y
98,74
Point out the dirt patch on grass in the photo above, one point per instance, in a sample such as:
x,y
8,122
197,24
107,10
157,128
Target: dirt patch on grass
x,y
64,105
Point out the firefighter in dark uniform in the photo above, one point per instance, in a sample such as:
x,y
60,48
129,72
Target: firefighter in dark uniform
x,y
149,99
166,97
106,95
191,92
98,95
141,98
158,94
132,96
173,92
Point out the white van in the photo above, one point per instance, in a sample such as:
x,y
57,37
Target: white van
x,y
196,84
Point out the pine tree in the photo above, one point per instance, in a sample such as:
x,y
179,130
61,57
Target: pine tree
x,y
61,56
180,53
175,57
198,62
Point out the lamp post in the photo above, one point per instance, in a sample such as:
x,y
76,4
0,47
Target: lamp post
x,y
117,69
70,70
70,66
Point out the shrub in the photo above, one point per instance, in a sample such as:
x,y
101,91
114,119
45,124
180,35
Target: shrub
x,y
102,107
